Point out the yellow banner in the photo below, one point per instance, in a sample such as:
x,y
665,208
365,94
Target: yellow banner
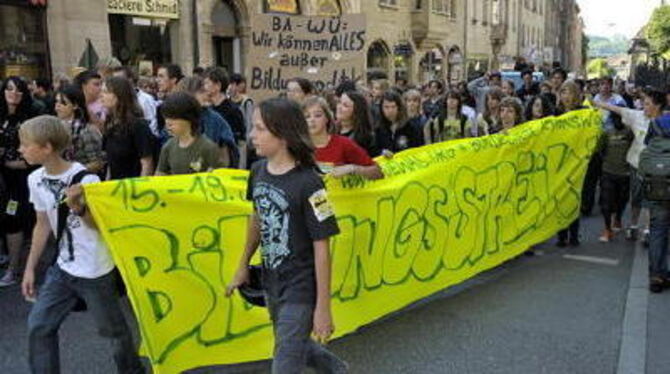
x,y
445,213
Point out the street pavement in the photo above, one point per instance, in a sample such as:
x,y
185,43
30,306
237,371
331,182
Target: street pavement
x,y
560,311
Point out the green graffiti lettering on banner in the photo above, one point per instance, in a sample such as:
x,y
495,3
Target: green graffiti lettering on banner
x,y
211,318
443,214
424,230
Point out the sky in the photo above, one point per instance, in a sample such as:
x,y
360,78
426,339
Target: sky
x,y
612,17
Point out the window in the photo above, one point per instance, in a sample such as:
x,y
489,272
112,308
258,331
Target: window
x,y
418,5
438,6
485,12
446,7
473,9
391,3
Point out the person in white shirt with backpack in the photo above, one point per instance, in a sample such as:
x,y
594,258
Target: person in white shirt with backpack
x,y
83,271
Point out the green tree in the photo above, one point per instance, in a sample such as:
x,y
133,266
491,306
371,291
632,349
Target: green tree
x,y
658,30
598,68
585,49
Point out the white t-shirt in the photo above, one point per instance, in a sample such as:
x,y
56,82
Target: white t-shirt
x,y
639,124
470,113
91,257
148,105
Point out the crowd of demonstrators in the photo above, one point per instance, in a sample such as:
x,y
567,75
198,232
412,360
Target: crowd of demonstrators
x,y
119,125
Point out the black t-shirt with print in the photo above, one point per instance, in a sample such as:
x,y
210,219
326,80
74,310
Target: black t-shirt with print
x,y
293,212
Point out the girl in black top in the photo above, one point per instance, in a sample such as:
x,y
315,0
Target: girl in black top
x,y
16,107
127,140
539,107
354,121
394,133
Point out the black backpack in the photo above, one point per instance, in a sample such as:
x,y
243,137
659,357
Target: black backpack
x,y
63,213
654,165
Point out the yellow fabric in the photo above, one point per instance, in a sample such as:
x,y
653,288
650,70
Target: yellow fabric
x,y
445,213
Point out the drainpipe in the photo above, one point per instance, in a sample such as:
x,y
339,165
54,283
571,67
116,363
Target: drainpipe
x,y
196,37
465,41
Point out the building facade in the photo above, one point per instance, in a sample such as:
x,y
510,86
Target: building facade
x,y
412,39
564,34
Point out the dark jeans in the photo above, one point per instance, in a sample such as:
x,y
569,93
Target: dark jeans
x,y
572,230
591,183
614,193
294,349
55,300
658,239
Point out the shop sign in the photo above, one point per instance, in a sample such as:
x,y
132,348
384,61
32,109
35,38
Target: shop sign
x,y
145,8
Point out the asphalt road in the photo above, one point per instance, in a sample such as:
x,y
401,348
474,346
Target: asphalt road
x,y
542,314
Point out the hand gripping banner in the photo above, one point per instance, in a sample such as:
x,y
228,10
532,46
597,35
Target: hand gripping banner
x,y
443,214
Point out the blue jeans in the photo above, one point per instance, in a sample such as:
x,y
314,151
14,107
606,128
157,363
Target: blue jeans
x,y
658,239
294,349
55,300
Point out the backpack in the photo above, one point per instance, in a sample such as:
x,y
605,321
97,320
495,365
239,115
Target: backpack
x,y
654,166
61,225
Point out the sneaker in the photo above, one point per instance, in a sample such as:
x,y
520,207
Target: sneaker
x,y
4,260
631,233
617,226
8,279
606,236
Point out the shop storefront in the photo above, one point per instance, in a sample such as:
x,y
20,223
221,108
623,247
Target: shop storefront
x,y
143,32
431,65
24,49
402,59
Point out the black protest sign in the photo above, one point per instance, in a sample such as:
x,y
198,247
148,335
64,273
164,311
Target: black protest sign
x,y
325,50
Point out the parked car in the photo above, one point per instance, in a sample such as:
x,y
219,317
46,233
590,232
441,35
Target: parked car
x,y
515,76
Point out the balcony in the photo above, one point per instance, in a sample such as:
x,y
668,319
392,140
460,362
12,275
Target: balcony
x,y
430,28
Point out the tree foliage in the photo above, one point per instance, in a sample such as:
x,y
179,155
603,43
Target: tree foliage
x,y
600,46
585,49
599,68
658,30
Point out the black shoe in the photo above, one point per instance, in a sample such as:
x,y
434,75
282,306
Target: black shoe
x,y
657,284
574,242
561,243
